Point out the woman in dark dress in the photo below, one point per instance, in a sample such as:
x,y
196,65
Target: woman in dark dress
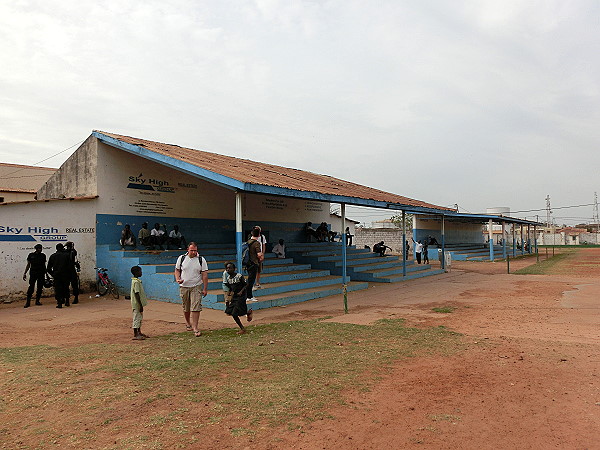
x,y
234,286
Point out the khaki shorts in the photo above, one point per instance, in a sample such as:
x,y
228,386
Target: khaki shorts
x,y
191,298
137,319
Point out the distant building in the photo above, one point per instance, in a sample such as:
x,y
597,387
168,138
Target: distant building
x,y
20,183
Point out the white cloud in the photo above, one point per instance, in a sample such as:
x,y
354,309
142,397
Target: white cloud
x,y
426,99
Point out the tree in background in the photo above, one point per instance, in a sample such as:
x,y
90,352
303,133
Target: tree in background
x,y
397,219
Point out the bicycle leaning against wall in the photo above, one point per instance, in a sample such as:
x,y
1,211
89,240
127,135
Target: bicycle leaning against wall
x,y
105,284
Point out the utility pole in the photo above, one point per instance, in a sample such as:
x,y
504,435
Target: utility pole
x,y
548,214
596,219
548,210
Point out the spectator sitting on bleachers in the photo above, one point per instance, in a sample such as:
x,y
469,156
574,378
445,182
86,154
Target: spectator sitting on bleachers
x,y
380,248
176,238
323,232
279,249
144,237
158,236
310,231
127,237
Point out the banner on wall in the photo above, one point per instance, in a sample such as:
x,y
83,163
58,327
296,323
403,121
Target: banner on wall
x,y
39,233
150,190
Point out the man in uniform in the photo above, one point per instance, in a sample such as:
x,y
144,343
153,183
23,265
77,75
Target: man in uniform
x,y
36,265
60,266
75,267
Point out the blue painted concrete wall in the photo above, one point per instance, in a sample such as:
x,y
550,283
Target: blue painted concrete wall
x,y
208,231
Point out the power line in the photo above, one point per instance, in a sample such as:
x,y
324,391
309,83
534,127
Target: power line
x,y
554,207
46,159
26,176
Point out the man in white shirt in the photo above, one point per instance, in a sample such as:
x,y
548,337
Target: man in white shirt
x,y
418,250
176,238
158,236
279,249
191,272
263,245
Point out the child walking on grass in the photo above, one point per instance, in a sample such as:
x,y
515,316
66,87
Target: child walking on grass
x,y
138,301
234,286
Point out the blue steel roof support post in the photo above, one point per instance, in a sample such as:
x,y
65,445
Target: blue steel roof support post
x,y
522,241
504,239
403,243
238,230
514,246
491,239
443,244
535,243
344,263
529,239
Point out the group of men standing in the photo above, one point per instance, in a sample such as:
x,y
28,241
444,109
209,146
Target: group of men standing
x,y
62,266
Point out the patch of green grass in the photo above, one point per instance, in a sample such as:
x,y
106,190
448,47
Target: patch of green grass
x,y
444,417
445,309
278,374
543,267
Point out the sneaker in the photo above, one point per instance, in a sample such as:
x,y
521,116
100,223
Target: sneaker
x,y
251,299
256,286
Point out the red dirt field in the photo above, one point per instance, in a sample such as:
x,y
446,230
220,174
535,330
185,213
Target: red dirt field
x,y
528,379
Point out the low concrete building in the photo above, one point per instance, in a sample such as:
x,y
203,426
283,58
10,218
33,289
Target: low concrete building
x,y
112,180
20,183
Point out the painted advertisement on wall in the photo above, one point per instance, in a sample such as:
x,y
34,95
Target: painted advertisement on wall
x,y
23,225
282,209
132,185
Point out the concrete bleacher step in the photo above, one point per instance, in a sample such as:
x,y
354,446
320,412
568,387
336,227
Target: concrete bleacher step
x,y
268,279
361,264
297,296
283,280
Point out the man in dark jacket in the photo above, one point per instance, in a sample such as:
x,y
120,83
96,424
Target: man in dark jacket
x,y
75,267
36,265
60,267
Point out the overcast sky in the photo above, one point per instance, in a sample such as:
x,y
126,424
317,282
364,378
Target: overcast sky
x,y
476,103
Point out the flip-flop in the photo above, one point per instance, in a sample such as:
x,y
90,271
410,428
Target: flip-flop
x,y
197,333
188,328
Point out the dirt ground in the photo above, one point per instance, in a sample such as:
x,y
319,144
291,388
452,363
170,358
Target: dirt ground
x,y
530,378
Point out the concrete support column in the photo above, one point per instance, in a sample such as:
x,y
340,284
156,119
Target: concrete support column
x,y
238,229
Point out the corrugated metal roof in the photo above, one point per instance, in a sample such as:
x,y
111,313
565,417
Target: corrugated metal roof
x,y
256,173
20,178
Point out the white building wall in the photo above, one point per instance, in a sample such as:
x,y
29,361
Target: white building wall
x,y
46,223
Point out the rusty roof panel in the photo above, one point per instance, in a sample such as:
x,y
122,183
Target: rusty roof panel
x,y
253,172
